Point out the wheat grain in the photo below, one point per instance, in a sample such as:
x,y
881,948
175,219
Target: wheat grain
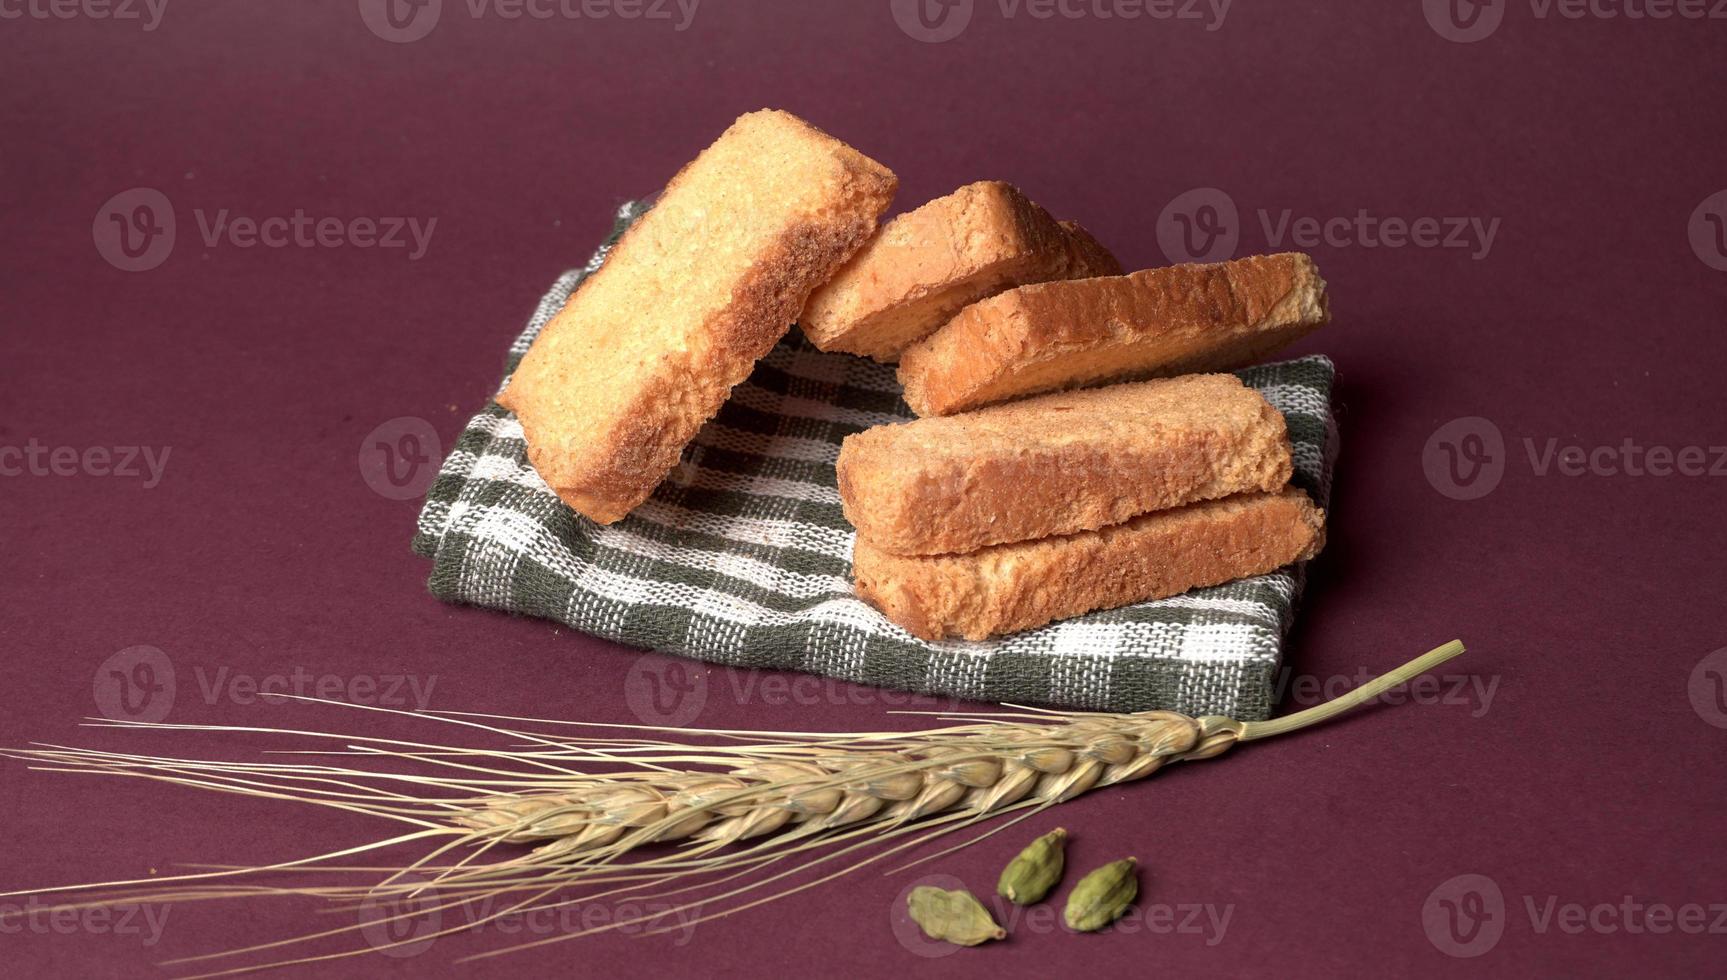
x,y
732,808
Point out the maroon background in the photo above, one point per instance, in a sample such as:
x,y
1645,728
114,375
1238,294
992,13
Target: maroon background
x,y
1588,600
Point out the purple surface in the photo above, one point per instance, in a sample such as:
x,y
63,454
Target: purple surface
x,y
1590,777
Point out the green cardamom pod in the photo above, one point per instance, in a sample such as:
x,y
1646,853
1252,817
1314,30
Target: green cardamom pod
x,y
1102,896
955,917
1028,879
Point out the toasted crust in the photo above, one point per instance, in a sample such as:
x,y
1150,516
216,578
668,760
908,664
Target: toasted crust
x,y
1056,464
1086,256
1157,323
1012,587
928,264
694,294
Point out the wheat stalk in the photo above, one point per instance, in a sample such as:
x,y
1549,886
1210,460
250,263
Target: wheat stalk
x,y
760,808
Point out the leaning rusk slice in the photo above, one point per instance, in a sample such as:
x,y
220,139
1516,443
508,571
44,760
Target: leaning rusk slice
x,y
928,264
1184,319
695,293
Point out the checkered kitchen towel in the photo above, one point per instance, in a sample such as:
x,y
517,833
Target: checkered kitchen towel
x,y
742,556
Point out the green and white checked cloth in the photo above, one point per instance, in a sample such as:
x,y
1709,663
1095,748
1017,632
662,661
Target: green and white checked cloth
x,y
743,556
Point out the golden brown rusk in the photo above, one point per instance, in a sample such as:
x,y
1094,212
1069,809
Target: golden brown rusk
x,y
1183,319
1010,587
928,264
694,294
1061,463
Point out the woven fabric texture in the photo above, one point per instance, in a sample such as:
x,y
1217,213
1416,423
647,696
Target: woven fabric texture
x,y
742,556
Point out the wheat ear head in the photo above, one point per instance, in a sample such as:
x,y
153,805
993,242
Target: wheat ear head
x,y
649,818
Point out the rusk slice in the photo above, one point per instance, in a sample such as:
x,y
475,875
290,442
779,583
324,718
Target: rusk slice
x,y
1012,587
696,292
1086,256
1056,464
1157,323
928,264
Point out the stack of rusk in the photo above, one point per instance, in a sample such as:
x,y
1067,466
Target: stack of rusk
x,y
975,520
1044,480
